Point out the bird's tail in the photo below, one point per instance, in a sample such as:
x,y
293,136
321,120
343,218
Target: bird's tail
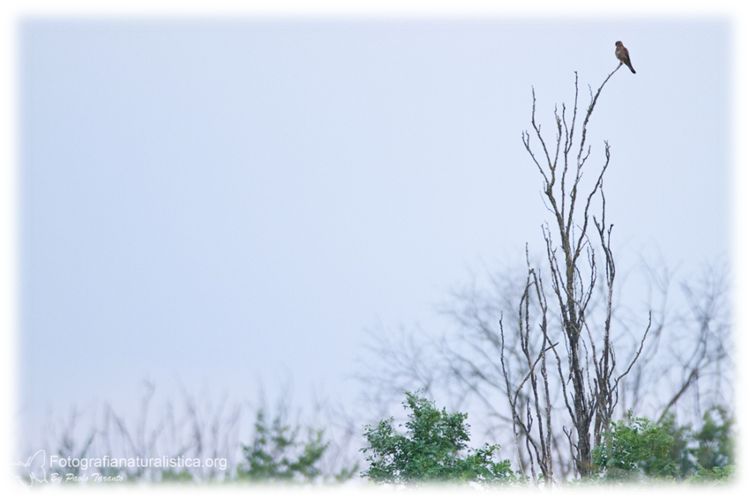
x,y
631,69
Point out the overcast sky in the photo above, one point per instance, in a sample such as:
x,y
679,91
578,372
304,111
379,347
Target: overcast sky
x,y
227,203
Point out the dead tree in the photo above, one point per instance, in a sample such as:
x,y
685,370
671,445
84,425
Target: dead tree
x,y
568,349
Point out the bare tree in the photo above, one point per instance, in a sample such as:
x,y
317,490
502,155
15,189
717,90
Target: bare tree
x,y
574,344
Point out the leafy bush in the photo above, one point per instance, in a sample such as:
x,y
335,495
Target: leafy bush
x,y
434,448
638,448
276,454
715,448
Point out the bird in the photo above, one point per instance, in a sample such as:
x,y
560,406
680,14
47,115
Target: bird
x,y
623,55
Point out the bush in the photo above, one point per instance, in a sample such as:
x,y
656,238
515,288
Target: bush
x,y
637,448
434,448
276,454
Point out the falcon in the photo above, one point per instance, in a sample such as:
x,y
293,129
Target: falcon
x,y
623,56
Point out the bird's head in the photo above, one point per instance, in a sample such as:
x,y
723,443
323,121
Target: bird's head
x,y
618,44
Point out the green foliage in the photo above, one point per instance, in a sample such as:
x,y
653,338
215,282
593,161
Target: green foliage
x,y
276,454
715,442
176,476
715,474
637,448
679,451
434,448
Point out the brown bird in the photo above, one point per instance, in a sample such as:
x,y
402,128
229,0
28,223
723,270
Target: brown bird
x,y
622,55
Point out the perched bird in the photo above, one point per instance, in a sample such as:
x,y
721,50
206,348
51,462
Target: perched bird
x,y
622,55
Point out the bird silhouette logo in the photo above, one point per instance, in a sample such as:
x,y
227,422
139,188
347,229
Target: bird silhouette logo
x,y
623,55
34,469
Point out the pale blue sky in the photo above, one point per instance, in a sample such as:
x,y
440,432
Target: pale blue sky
x,y
223,202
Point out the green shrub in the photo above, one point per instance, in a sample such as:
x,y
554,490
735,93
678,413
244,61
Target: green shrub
x,y
276,454
433,448
637,448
